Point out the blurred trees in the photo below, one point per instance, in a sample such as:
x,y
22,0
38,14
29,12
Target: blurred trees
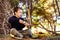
x,y
43,14
14,2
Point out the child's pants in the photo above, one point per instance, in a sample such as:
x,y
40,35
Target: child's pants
x,y
20,33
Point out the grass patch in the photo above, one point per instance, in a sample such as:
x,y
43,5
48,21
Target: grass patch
x,y
53,38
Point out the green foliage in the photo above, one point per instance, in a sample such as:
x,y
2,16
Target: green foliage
x,y
44,10
14,2
39,9
54,38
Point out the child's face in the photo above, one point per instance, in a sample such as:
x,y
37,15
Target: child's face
x,y
19,13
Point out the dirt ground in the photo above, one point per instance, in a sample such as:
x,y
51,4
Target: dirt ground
x,y
28,38
7,37
21,39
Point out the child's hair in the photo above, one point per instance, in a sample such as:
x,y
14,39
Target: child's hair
x,y
16,9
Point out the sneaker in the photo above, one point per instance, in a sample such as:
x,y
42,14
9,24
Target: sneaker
x,y
15,36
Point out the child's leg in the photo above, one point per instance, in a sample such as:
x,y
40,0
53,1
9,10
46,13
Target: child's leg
x,y
13,31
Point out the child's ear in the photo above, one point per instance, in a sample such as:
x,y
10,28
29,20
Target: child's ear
x,y
15,12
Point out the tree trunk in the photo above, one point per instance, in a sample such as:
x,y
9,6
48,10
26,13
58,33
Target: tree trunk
x,y
5,9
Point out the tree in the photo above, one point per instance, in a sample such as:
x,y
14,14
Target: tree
x,y
6,11
44,9
14,3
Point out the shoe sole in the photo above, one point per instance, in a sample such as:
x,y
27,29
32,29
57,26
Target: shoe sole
x,y
18,38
